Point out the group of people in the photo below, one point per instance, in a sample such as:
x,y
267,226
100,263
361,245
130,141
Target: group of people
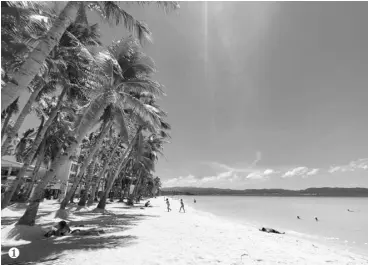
x,y
181,205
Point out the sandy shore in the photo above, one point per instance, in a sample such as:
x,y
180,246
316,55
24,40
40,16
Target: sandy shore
x,y
154,236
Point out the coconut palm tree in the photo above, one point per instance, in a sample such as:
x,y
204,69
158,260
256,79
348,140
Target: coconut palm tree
x,y
107,158
108,10
114,89
60,67
71,44
7,114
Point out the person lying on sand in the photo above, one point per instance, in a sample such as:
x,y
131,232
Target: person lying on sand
x,y
63,229
270,230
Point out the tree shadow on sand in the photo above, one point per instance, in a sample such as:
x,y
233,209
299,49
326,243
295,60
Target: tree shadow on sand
x,y
56,249
8,220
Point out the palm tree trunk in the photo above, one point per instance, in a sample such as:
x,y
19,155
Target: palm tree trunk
x,y
36,58
5,124
93,192
29,216
91,168
102,173
32,152
25,195
97,191
88,160
40,159
19,122
136,188
110,182
80,188
88,119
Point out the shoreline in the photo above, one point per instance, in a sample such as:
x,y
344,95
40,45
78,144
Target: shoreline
x,y
155,236
305,231
312,238
328,242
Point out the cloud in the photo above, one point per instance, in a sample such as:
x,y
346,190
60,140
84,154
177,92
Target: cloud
x,y
298,171
360,164
314,171
189,180
258,158
334,169
227,174
255,175
269,172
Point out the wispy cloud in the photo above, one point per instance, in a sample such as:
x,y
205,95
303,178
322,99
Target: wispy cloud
x,y
298,171
258,158
312,172
225,173
360,164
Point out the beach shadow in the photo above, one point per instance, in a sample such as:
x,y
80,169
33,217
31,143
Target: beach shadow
x,y
56,249
5,221
45,250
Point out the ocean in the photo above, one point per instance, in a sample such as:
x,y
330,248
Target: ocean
x,y
335,226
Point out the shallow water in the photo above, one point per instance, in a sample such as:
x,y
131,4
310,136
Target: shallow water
x,y
336,225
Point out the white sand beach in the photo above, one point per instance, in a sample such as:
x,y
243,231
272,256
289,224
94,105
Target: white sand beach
x,y
155,236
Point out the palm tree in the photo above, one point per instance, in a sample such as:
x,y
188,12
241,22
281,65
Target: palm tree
x,y
114,88
31,66
60,67
107,160
123,160
106,126
71,45
7,114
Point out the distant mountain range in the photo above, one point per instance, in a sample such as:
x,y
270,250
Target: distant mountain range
x,y
327,192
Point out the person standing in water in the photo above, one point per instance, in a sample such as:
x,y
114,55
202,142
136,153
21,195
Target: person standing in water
x,y
168,204
195,201
182,205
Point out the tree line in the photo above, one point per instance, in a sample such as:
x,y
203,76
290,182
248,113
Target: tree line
x,y
97,104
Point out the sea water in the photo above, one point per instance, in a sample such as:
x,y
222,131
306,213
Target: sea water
x,y
341,221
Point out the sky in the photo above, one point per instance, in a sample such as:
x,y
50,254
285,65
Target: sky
x,y
260,94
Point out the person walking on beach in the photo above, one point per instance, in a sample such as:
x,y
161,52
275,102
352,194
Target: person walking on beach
x,y
168,205
181,205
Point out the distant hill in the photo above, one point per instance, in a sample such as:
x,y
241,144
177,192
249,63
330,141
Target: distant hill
x,y
327,192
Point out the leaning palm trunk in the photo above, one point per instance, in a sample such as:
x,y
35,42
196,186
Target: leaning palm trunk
x,y
32,152
93,192
19,122
36,58
111,180
106,165
134,193
86,163
5,125
37,167
91,169
90,117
